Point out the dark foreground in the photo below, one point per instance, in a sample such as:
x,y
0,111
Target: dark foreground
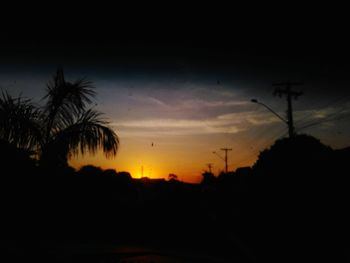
x,y
271,213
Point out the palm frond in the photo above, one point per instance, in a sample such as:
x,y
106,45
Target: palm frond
x,y
88,134
65,100
60,128
19,122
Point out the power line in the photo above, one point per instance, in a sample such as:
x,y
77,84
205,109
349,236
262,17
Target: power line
x,y
313,106
257,151
259,147
225,158
323,121
289,95
226,150
339,111
257,140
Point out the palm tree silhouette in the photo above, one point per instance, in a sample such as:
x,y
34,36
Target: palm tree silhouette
x,y
19,122
63,127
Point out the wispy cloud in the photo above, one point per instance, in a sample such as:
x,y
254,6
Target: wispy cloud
x,y
171,109
227,123
185,102
198,103
320,114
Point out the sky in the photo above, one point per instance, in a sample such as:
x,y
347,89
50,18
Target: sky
x,y
174,102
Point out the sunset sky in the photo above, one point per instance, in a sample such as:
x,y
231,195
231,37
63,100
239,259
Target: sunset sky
x,y
172,105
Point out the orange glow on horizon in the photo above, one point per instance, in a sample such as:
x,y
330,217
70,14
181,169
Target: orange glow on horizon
x,y
135,172
186,161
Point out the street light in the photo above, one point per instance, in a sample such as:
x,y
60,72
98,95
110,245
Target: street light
x,y
267,107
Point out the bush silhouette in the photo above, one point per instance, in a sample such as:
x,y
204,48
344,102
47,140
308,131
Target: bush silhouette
x,y
301,157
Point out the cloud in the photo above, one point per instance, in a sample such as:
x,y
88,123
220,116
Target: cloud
x,y
250,117
170,109
199,103
320,114
227,123
173,127
186,101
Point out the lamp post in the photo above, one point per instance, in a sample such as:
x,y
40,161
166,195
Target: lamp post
x,y
289,122
267,107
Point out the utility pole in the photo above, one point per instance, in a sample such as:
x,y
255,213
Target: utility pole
x,y
226,150
210,165
289,94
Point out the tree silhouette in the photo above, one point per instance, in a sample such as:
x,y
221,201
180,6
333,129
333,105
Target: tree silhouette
x,y
19,122
64,126
172,176
301,155
208,178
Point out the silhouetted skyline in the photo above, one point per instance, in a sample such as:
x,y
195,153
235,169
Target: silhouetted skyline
x,y
178,91
190,95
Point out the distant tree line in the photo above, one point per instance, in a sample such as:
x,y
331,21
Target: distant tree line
x,y
291,204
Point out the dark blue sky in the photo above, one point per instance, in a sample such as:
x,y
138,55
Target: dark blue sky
x,y
189,90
